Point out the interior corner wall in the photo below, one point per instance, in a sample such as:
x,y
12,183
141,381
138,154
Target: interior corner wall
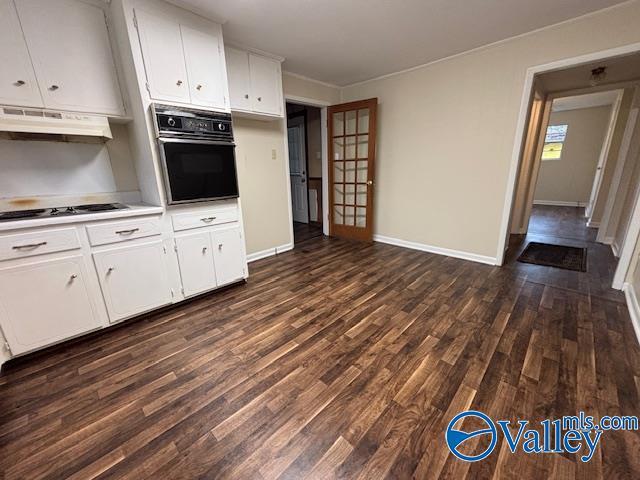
x,y
446,131
570,178
612,157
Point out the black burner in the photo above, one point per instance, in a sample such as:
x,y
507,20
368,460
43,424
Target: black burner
x,y
99,207
18,214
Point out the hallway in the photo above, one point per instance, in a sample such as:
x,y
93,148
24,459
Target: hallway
x,y
566,226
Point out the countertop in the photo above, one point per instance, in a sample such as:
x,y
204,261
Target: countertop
x,y
132,211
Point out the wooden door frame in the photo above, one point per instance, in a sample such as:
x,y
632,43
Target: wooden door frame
x,y
291,116
372,105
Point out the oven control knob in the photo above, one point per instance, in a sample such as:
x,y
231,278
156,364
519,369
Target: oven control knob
x,y
171,122
222,127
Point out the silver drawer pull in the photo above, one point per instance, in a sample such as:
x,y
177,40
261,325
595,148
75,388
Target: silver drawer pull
x,y
30,245
127,232
208,219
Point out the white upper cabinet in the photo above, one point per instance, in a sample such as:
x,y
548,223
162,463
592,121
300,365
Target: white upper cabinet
x,y
266,84
238,75
183,63
161,42
69,45
205,68
18,85
255,83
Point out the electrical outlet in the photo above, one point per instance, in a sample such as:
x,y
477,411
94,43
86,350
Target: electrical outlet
x,y
273,154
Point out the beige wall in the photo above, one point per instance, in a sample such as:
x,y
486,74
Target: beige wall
x,y
570,179
263,183
309,89
446,132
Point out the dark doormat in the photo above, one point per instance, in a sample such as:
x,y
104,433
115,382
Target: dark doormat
x,y
560,256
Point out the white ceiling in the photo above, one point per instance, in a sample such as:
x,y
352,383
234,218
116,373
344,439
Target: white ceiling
x,y
346,41
590,100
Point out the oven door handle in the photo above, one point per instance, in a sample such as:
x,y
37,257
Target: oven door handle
x,y
163,140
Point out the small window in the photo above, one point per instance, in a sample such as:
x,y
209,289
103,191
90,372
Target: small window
x,y
553,142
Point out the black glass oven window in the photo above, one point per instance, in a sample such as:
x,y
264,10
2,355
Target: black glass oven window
x,y
200,171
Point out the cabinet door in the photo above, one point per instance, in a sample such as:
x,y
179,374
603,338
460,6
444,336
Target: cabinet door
x,y
196,263
45,302
134,279
266,85
69,45
17,79
228,255
205,68
161,42
238,75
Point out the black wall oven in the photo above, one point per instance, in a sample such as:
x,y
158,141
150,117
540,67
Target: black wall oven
x,y
197,154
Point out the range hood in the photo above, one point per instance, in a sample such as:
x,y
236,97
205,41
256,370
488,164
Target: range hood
x,y
35,124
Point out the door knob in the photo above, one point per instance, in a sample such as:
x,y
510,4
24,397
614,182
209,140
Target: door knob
x,y
370,182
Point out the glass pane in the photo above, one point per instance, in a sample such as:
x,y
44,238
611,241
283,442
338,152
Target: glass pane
x,y
361,195
363,146
362,171
338,149
349,215
349,147
350,172
361,217
349,194
363,121
350,123
338,217
338,195
338,172
338,124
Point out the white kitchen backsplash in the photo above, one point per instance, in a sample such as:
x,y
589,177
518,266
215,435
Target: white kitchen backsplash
x,y
56,169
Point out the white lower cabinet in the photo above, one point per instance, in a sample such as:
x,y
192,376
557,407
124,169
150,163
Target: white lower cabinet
x,y
210,259
195,258
228,255
133,279
44,302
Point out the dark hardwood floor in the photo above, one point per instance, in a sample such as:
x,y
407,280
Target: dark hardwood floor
x,y
335,360
306,231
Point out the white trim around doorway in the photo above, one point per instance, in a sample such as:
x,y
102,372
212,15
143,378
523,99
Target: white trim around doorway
x,y
522,122
322,105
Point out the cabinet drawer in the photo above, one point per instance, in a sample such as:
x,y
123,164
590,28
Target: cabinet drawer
x,y
204,218
113,232
37,243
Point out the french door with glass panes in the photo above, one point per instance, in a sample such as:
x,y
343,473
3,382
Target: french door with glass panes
x,y
352,148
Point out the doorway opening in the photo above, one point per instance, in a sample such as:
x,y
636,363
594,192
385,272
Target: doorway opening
x,y
304,136
578,179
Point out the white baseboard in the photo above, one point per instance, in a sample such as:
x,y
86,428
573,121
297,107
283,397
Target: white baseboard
x,y
437,250
591,224
615,249
634,307
607,240
269,252
559,203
